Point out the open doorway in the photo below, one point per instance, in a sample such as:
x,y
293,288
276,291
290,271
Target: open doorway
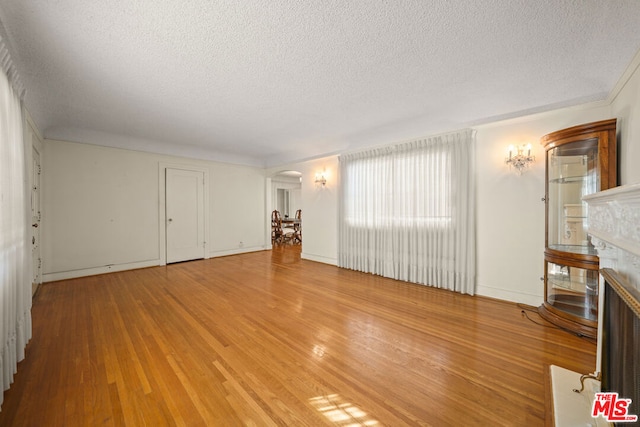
x,y
286,213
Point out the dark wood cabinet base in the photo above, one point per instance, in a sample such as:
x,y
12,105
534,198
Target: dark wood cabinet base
x,y
565,323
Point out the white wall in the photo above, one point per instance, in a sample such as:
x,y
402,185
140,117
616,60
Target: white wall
x,y
510,211
320,210
101,209
626,107
237,209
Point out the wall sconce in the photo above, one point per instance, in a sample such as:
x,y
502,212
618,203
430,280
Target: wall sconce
x,y
518,159
320,179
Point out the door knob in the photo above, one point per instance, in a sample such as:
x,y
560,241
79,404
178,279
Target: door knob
x,y
170,219
35,225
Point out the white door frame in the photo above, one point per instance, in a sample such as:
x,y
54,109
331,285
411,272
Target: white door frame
x,y
162,205
36,185
268,209
33,139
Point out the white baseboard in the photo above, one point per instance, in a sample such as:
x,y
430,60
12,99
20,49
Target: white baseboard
x,y
72,274
507,295
318,258
238,251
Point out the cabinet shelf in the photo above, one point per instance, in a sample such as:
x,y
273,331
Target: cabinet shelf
x,y
575,306
568,285
575,249
568,180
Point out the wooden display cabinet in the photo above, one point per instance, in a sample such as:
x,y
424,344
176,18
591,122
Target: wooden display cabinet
x,y
580,160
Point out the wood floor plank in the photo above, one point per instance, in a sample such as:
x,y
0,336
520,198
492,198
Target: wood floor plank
x,y
266,338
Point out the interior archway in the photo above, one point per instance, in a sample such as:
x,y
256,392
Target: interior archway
x,y
286,192
286,198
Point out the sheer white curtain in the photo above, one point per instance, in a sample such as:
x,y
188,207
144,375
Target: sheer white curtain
x,y
407,211
15,251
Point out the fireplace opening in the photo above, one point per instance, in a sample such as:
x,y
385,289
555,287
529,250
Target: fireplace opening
x,y
621,339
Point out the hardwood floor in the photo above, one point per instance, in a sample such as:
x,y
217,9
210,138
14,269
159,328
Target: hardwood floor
x,y
268,339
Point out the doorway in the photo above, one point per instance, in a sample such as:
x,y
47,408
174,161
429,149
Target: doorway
x,y
184,214
285,190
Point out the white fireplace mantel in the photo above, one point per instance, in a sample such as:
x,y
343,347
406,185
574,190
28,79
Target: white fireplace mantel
x,y
614,226
614,229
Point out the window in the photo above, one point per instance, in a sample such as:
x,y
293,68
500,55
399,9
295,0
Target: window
x,y
398,189
407,212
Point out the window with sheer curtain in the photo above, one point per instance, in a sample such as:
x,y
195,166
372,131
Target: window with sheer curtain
x,y
15,255
407,211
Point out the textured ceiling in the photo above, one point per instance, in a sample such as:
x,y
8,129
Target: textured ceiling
x,y
265,82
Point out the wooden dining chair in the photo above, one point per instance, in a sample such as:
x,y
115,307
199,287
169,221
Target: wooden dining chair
x,y
278,233
288,231
276,227
297,227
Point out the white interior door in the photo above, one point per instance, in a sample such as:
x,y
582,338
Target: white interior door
x,y
184,215
35,218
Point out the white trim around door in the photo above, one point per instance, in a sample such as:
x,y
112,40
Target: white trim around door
x,y
162,206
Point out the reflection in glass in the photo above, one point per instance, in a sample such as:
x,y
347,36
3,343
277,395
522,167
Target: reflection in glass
x,y
573,173
573,290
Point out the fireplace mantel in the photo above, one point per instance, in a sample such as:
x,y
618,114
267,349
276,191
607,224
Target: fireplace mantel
x,y
614,229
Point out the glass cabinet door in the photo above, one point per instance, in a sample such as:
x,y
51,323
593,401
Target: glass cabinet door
x,y
572,174
573,290
579,160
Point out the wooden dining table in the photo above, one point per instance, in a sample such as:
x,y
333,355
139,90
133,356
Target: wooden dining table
x,y
292,221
